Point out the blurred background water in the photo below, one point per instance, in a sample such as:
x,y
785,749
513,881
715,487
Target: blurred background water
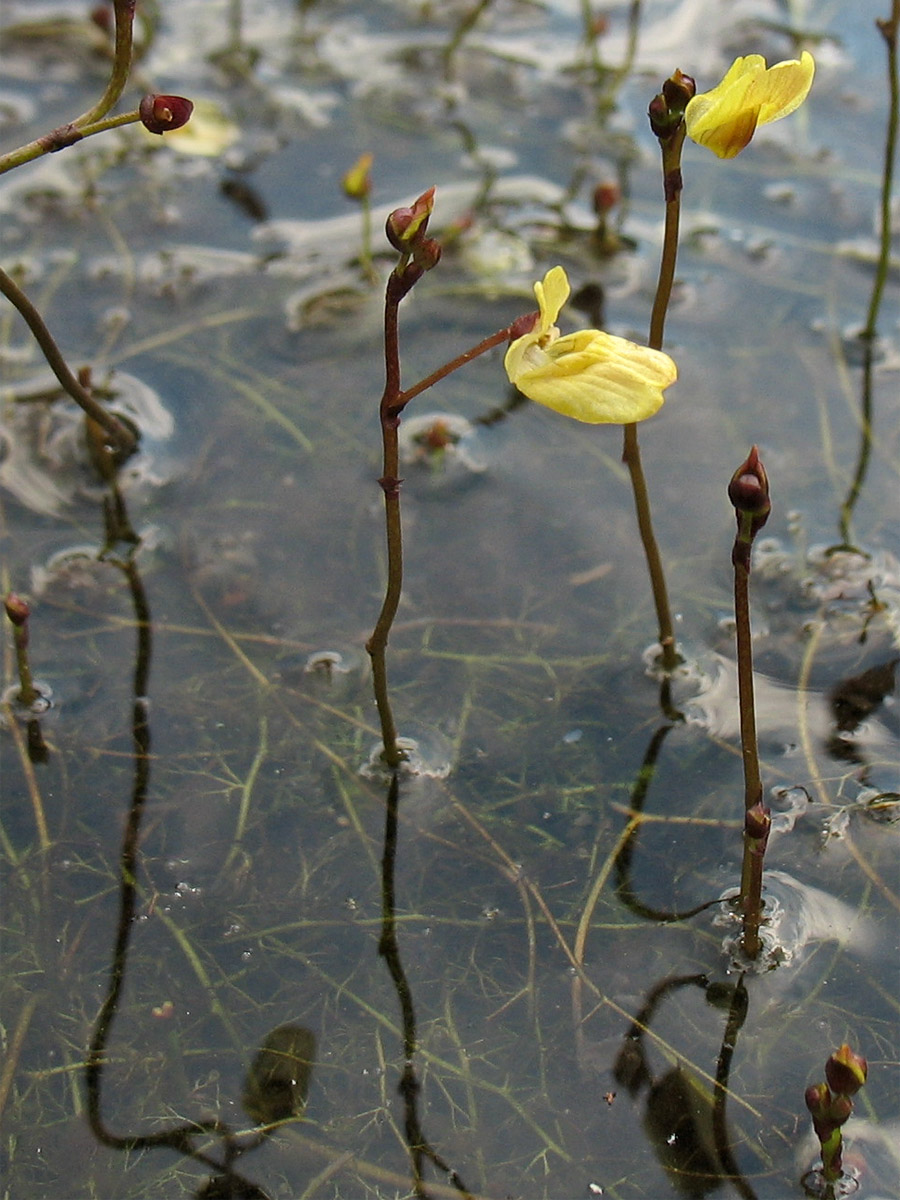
x,y
569,1029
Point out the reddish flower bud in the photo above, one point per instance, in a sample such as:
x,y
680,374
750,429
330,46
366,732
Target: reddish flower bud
x,y
606,197
405,227
666,111
427,253
839,1110
678,90
818,1099
16,609
162,114
845,1071
748,490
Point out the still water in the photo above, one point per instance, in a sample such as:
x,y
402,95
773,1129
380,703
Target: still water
x,y
194,912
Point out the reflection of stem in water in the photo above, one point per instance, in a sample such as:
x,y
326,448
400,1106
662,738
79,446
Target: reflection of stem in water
x,y
737,1014
688,1128
419,1147
120,547
624,890
889,31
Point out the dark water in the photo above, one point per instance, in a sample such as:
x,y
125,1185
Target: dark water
x,y
568,1029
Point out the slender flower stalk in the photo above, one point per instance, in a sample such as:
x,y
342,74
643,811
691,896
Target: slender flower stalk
x,y
406,231
749,494
357,185
667,121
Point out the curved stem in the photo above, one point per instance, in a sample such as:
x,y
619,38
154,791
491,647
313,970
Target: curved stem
x,y
80,394
91,121
124,15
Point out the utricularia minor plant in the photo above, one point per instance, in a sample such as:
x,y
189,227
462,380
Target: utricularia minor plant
x,y
597,378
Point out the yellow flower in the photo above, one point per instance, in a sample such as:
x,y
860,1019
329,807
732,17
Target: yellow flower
x,y
588,375
725,119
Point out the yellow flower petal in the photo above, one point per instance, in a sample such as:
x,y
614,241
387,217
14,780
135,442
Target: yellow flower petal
x,y
725,119
590,376
551,295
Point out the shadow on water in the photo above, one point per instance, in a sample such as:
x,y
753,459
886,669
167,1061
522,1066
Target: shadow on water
x,y
240,958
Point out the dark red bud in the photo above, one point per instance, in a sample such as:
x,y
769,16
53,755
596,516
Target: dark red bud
x,y
606,197
666,111
678,90
16,609
102,17
748,490
162,114
405,227
845,1071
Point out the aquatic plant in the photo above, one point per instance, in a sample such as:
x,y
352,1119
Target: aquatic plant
x,y
590,376
357,185
751,94
830,1105
748,492
158,113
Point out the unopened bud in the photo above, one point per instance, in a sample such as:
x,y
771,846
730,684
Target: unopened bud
x,y
666,111
357,183
427,253
757,823
839,1110
162,114
606,197
748,490
405,227
678,90
845,1071
818,1099
16,609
